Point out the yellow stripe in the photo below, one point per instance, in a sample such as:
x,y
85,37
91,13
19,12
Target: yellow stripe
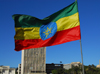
x,y
68,22
33,32
27,33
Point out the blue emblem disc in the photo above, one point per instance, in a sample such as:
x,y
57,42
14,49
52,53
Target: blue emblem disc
x,y
48,30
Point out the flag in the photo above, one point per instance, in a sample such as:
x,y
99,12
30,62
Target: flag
x,y
60,27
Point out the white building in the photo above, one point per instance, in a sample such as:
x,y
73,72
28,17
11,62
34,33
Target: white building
x,y
69,66
98,66
7,70
19,69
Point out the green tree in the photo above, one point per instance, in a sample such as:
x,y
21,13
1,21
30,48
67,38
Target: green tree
x,y
54,71
58,71
91,69
76,69
68,71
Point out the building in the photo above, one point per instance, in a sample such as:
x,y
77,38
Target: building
x,y
7,70
19,69
33,61
69,66
75,64
98,66
50,67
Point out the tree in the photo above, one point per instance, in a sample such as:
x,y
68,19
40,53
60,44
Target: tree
x,y
76,69
68,71
54,71
90,69
58,71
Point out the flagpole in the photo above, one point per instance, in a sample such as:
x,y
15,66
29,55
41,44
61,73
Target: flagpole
x,y
82,57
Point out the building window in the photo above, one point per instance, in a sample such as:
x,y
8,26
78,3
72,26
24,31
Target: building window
x,y
31,68
57,65
3,71
0,72
9,70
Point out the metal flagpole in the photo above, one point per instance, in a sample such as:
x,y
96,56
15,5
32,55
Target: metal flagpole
x,y
82,57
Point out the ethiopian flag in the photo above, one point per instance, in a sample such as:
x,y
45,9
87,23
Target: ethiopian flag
x,y
60,27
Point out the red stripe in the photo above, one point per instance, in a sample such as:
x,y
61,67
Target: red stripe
x,y
59,38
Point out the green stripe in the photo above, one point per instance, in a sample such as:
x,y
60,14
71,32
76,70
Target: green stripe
x,y
29,21
26,21
67,11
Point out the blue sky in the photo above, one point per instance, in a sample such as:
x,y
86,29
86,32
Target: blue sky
x,y
89,14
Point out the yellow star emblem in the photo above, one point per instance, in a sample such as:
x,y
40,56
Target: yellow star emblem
x,y
47,32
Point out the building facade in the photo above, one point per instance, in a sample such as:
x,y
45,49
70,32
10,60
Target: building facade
x,y
98,66
50,67
7,70
19,69
69,66
33,61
